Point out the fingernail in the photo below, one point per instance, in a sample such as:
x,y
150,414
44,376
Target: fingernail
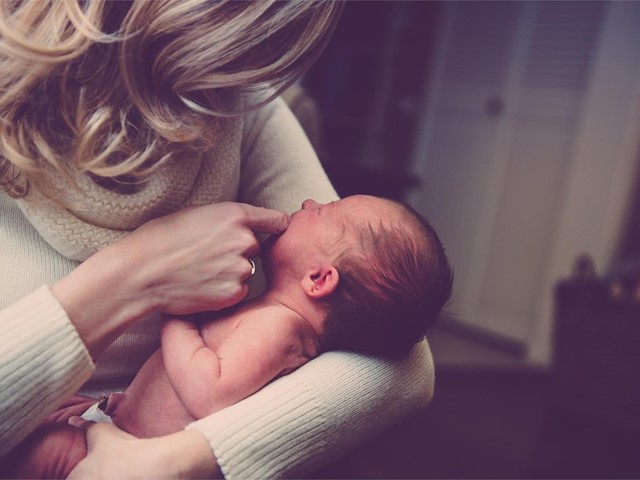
x,y
75,421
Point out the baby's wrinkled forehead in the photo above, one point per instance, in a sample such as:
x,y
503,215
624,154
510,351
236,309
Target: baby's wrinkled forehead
x,y
368,214
373,210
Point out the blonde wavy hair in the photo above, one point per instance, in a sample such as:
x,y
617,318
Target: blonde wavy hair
x,y
114,89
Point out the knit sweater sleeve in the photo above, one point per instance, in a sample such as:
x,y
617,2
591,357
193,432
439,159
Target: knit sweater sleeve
x,y
43,362
337,401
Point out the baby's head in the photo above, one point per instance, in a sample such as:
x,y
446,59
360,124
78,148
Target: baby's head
x,y
375,267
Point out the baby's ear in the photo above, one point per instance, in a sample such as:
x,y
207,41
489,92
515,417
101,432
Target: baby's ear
x,y
320,282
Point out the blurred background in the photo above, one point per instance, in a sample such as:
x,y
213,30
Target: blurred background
x,y
514,127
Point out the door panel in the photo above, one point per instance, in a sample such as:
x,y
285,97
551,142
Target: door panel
x,y
500,131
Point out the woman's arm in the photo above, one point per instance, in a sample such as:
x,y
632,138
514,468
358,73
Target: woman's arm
x,y
293,426
189,261
42,358
42,362
320,412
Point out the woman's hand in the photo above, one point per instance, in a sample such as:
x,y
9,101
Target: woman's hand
x,y
190,261
113,453
197,259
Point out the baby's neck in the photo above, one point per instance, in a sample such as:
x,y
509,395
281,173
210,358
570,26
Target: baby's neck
x,y
298,305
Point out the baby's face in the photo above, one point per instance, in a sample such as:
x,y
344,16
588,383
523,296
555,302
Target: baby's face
x,y
320,229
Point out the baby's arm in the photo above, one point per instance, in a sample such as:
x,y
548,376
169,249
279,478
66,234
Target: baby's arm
x,y
207,380
187,359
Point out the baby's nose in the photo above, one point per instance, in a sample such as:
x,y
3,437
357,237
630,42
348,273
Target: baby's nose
x,y
308,203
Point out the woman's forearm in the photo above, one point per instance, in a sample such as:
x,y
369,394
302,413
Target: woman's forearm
x,y
43,362
323,410
102,298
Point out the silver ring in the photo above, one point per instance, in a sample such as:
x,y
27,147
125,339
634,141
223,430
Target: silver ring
x,y
253,267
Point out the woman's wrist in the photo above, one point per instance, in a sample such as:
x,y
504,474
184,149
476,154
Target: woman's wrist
x,y
189,455
102,299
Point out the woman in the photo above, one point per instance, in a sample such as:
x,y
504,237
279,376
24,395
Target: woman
x,y
116,117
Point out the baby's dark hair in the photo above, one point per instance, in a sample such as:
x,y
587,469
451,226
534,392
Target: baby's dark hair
x,y
391,287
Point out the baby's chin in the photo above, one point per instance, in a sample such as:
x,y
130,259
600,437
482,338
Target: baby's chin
x,y
266,249
267,245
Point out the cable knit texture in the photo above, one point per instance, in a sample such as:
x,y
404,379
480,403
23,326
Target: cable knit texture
x,y
94,217
293,426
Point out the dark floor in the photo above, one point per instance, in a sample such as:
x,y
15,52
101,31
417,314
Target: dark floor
x,y
495,422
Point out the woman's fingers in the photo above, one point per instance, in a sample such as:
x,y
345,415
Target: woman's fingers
x,y
234,294
106,445
263,220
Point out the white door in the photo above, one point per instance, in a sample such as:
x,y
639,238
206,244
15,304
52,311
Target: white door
x,y
511,86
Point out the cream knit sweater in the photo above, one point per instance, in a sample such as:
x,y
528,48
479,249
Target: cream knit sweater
x,y
294,425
